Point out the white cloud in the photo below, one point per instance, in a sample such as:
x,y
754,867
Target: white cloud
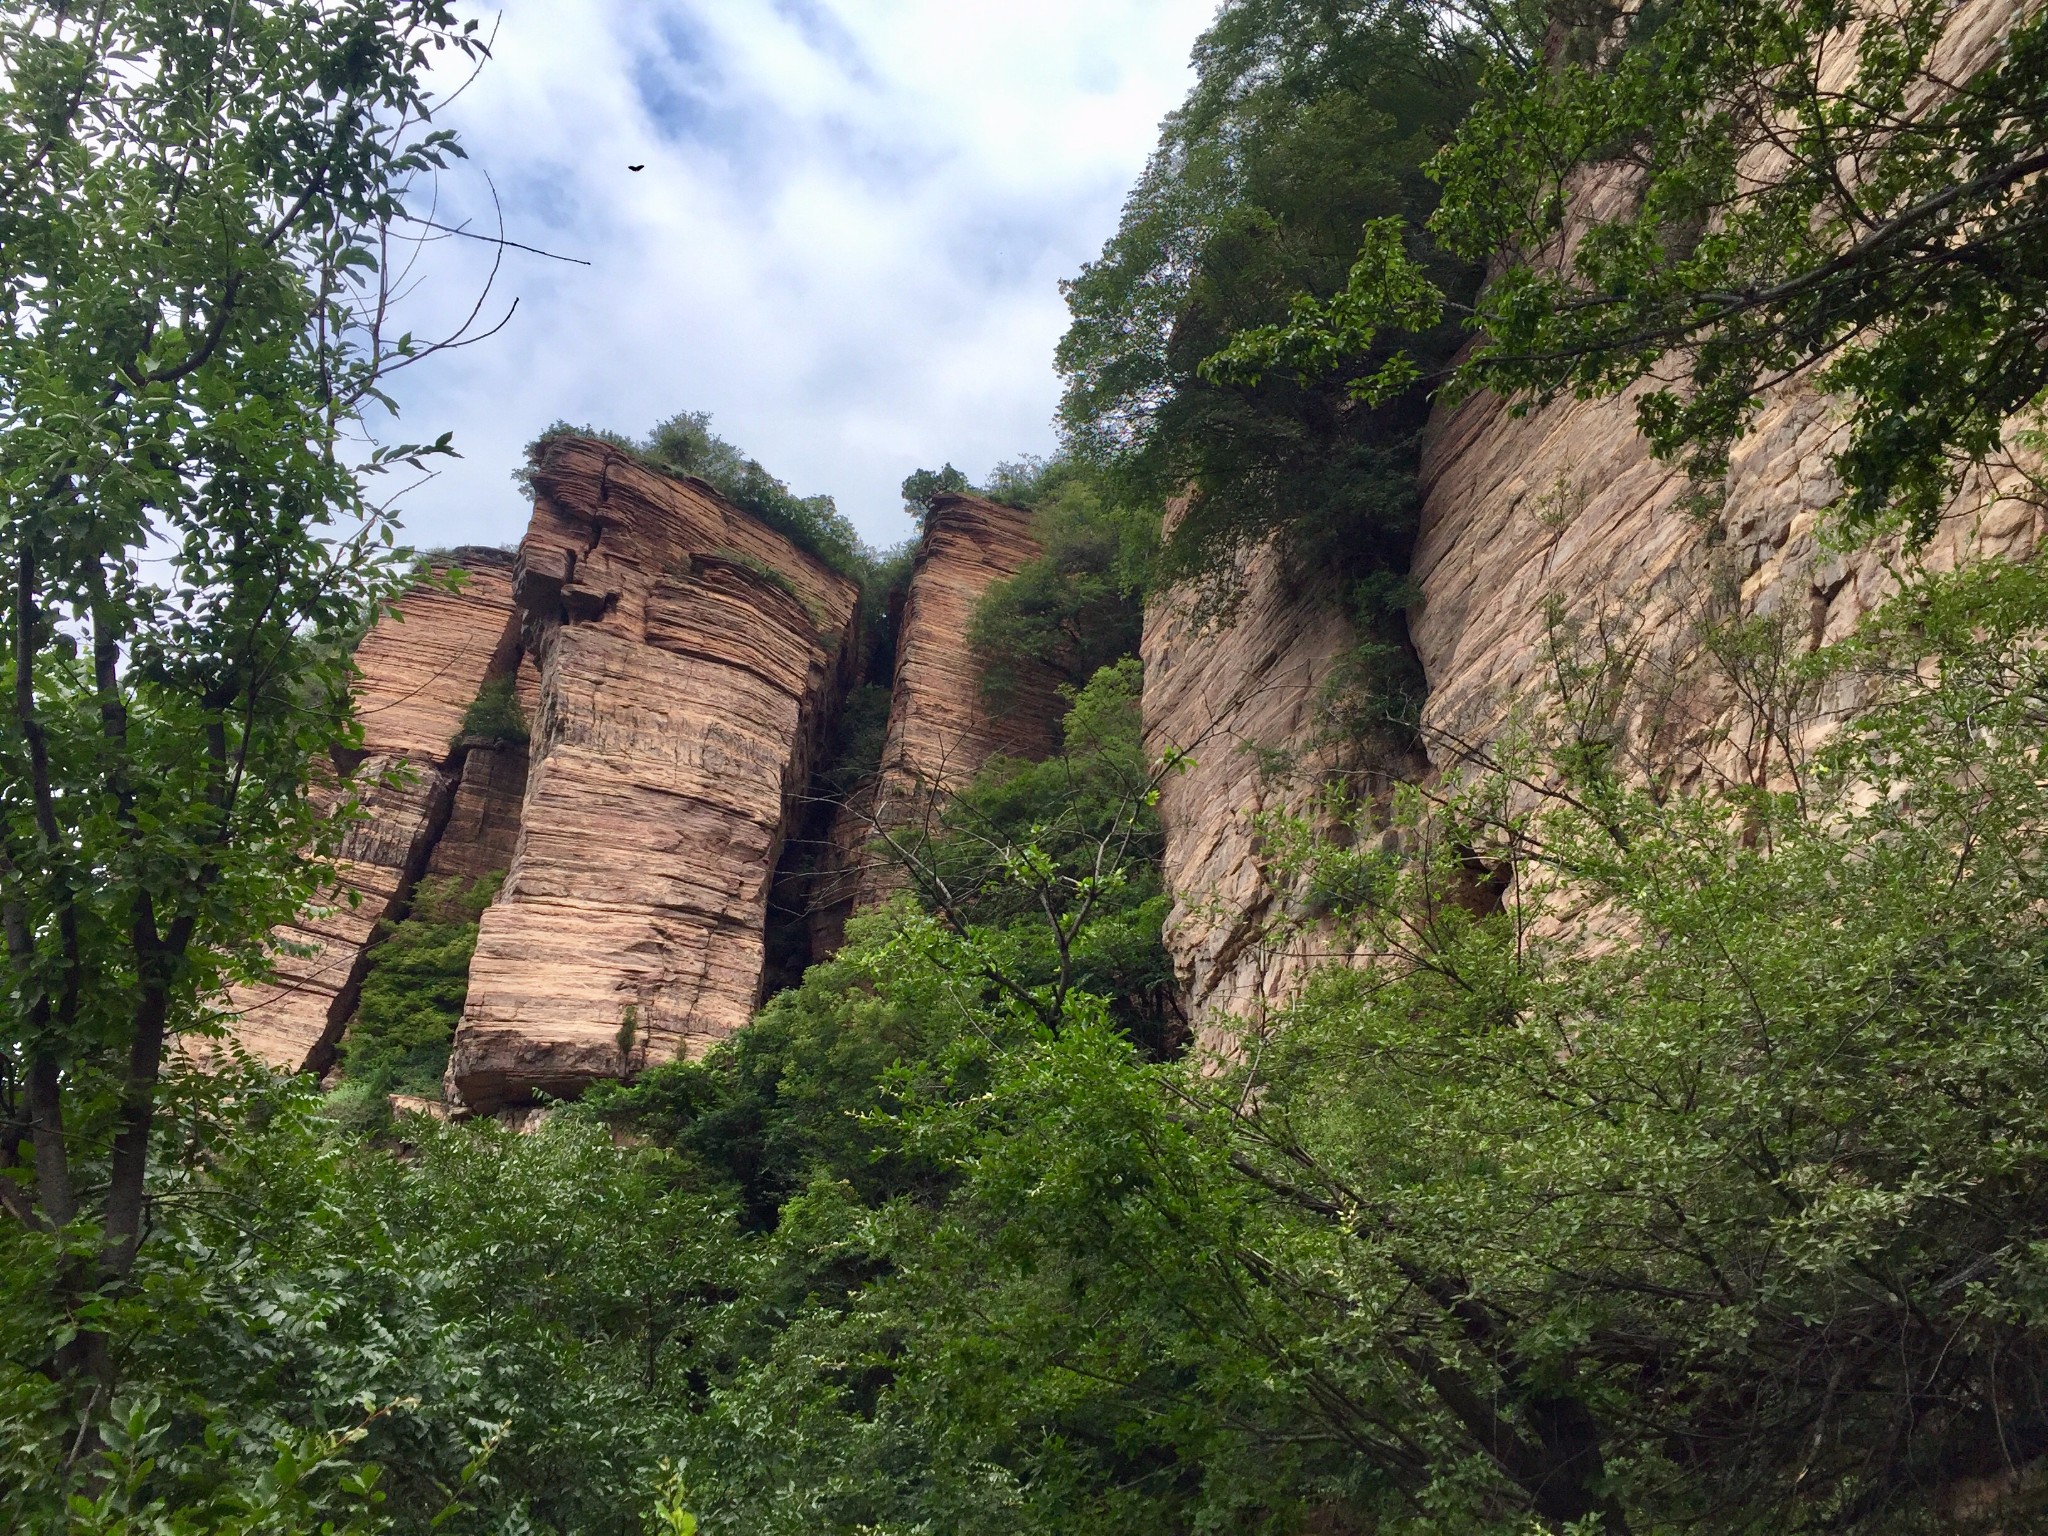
x,y
845,245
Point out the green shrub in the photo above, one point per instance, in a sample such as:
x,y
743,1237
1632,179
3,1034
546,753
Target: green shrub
x,y
494,715
861,732
922,486
684,444
1075,609
413,993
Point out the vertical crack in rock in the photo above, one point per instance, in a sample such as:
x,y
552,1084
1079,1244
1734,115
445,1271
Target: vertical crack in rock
x,y
688,658
419,669
941,730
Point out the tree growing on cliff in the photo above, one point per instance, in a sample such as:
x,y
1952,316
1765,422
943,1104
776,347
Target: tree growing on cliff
x,y
1079,606
1813,189
1305,121
197,202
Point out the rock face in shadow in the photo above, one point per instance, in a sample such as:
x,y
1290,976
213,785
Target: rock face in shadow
x,y
687,658
941,729
482,831
420,666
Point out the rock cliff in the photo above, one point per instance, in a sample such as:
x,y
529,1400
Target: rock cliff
x,y
687,658
1565,511
678,665
1230,697
941,731
420,667
1562,512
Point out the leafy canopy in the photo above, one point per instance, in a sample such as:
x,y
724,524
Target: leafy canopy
x,y
1306,121
1840,191
192,322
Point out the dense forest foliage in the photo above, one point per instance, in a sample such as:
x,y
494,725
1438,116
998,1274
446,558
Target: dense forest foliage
x,y
1689,1180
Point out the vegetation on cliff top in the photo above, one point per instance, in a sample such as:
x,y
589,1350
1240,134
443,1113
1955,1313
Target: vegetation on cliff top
x,y
1815,190
1305,122
685,445
1694,1186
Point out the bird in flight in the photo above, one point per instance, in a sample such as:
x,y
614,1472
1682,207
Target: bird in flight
x,y
636,167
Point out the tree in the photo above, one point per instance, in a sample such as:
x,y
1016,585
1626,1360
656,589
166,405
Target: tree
x,y
1826,189
199,204
1078,607
1306,120
920,486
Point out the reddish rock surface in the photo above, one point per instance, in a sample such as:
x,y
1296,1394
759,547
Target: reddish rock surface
x,y
420,668
941,730
482,831
1566,506
687,659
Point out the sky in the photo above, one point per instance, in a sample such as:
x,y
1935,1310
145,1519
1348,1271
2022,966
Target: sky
x,y
846,242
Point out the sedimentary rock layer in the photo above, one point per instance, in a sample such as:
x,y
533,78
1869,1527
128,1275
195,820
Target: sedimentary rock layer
x,y
688,658
941,730
1564,512
1560,511
1231,698
419,669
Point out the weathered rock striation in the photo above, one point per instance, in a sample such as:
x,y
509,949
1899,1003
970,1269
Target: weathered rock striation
x,y
420,667
1229,698
941,731
482,831
1565,510
688,659
678,665
1562,511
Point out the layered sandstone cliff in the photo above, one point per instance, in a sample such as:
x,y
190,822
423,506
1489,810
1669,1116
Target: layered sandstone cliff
x,y
688,658
1552,533
419,669
941,729
678,664
1232,698
1542,534
1564,512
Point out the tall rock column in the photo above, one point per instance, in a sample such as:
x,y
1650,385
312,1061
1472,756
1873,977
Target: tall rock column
x,y
688,658
941,729
419,669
